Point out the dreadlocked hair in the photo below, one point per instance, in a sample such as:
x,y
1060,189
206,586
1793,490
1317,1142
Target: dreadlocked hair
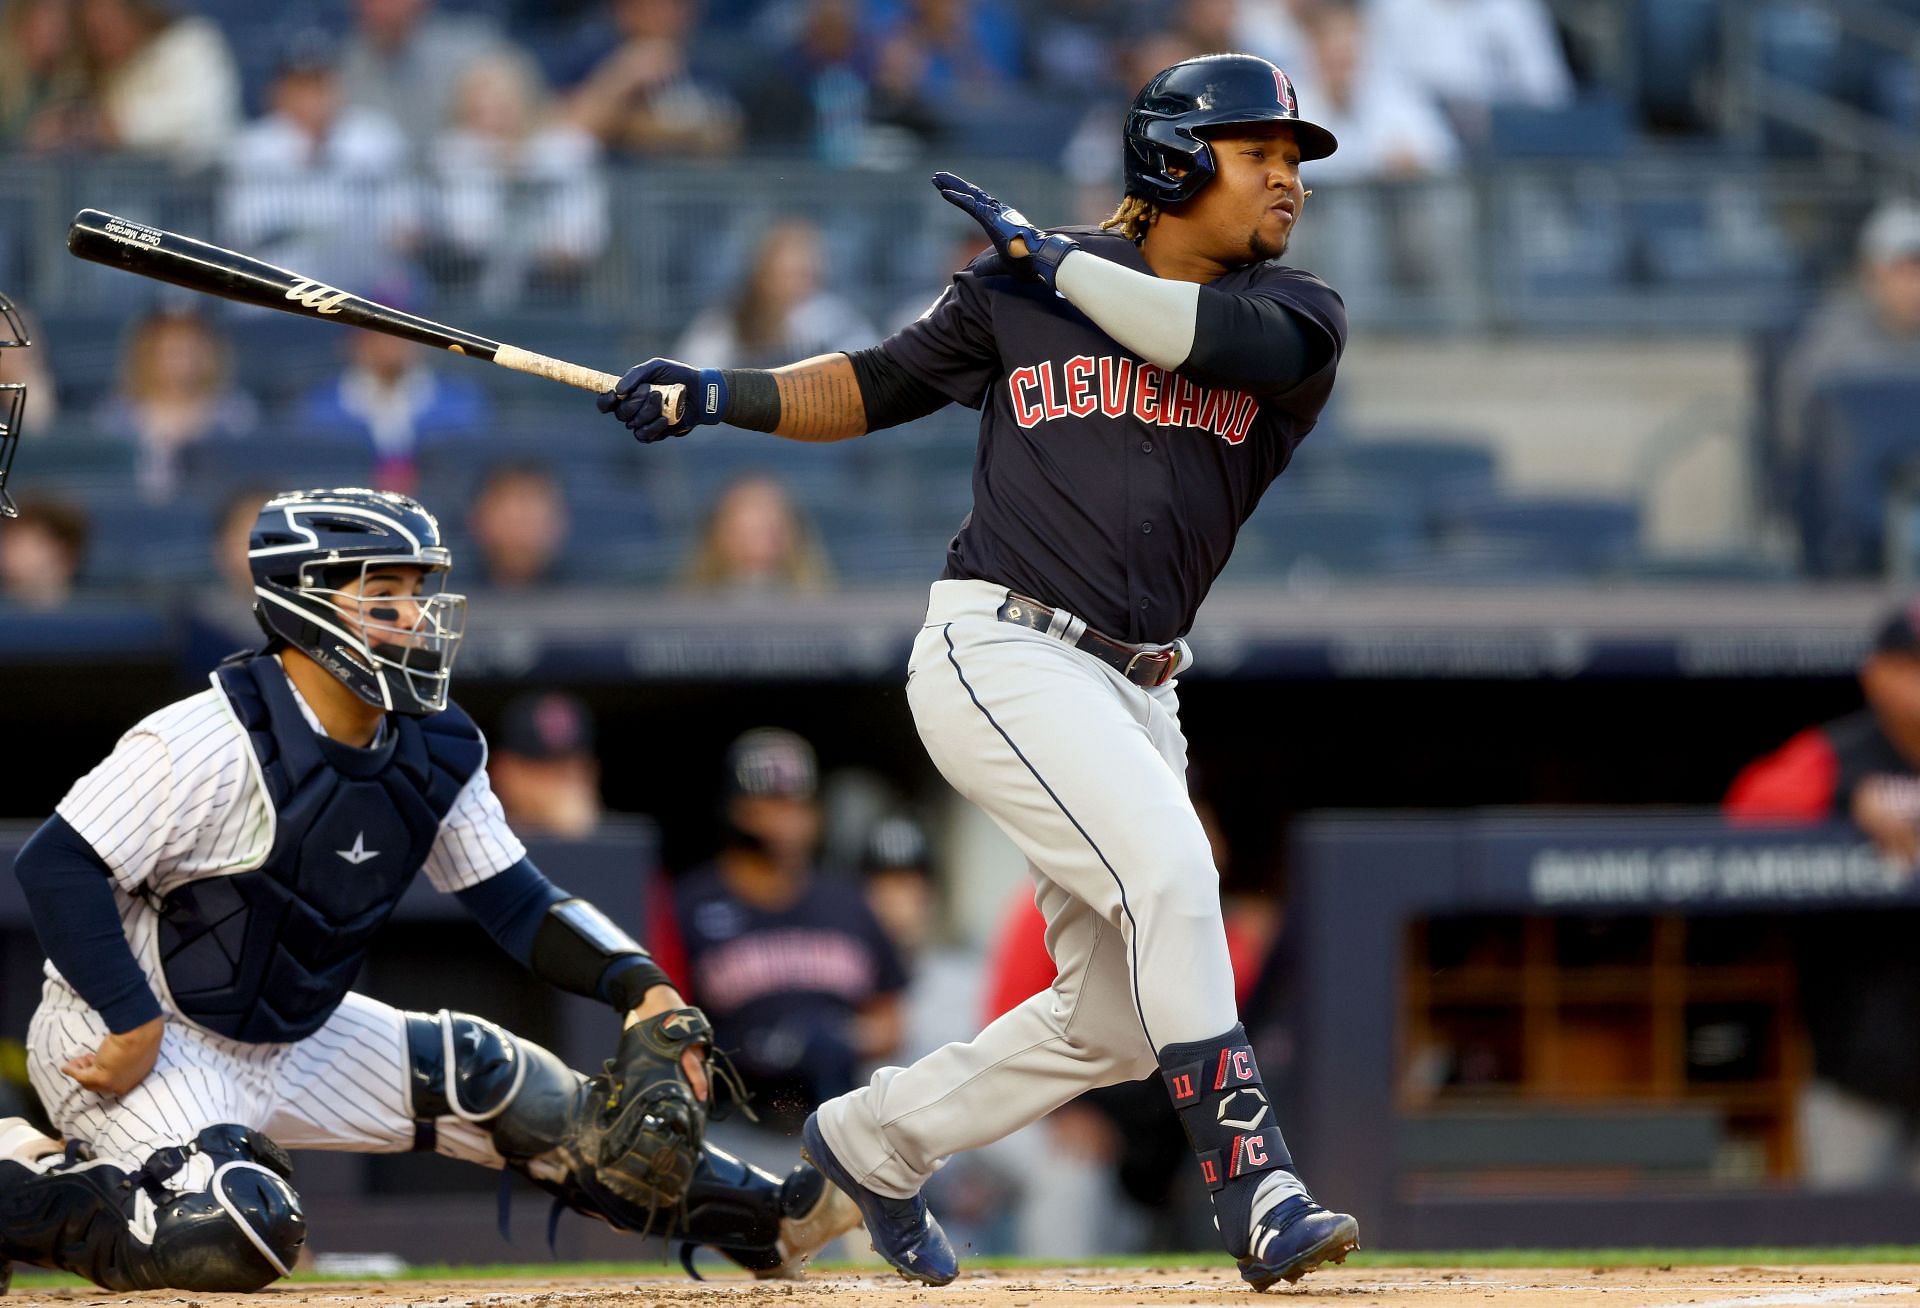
x,y
1132,218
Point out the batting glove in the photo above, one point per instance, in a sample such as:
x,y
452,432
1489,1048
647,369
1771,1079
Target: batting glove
x,y
1044,250
635,402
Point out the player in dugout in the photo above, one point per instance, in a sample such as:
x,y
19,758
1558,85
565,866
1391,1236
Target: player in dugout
x,y
1858,978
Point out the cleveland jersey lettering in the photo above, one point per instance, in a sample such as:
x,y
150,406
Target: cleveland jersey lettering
x,y
1104,484
1119,387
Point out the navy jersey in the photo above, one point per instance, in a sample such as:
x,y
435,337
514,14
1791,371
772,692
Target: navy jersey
x,y
782,986
1104,484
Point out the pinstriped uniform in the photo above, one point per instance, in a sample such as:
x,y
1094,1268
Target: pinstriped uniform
x,y
180,798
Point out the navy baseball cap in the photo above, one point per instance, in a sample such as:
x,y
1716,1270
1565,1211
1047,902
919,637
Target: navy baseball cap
x,y
1899,631
771,761
894,842
545,726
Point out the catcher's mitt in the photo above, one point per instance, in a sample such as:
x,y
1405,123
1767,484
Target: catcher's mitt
x,y
643,1127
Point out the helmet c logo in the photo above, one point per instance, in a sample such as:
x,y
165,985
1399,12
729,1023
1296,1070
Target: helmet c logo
x,y
1283,91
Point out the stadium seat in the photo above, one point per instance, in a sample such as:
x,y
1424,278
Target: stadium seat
x,y
132,544
1592,127
1340,534
275,460
1590,536
1430,473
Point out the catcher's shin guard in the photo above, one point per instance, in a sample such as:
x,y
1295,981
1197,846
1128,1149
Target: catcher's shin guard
x,y
538,1113
125,1231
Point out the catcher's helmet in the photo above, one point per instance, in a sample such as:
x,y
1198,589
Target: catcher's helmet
x,y
1180,106
13,402
311,553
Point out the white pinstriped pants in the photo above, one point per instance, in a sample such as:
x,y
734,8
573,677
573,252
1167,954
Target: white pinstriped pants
x,y
1087,773
344,1087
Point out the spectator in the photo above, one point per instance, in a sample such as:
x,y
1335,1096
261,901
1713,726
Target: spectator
x,y
405,61
1384,128
45,83
160,84
26,365
390,398
964,243
518,522
319,184
1858,975
1272,31
821,98
958,50
794,971
755,542
1871,325
780,312
543,767
175,390
521,200
1469,55
232,526
1375,241
645,96
41,552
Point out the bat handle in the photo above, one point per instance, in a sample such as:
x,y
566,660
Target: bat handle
x,y
587,379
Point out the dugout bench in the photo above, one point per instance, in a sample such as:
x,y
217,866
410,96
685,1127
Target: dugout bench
x,y
1528,1029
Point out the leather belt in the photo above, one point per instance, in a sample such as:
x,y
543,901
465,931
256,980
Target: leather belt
x,y
1145,668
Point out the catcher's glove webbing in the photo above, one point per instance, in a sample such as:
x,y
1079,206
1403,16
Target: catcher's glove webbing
x,y
643,1125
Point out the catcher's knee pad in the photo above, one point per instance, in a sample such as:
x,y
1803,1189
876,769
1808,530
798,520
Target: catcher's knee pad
x,y
463,1066
125,1231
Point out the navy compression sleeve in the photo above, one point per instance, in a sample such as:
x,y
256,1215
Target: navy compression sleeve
x,y
1254,342
511,905
560,939
70,896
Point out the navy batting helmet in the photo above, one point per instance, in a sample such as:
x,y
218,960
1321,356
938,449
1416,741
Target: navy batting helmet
x,y
1180,106
316,558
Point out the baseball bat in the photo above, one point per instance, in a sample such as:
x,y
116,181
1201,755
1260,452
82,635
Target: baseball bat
x,y
199,266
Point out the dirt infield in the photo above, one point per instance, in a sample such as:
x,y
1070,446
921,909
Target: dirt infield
x,y
1604,1287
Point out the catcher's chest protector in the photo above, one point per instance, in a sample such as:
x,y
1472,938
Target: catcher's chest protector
x,y
266,955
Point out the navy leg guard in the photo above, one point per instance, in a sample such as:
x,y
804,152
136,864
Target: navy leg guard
x,y
1216,1089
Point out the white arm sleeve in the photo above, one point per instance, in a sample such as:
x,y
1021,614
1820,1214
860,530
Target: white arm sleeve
x,y
1153,317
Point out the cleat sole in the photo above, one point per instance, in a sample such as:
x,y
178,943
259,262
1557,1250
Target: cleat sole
x,y
1344,1239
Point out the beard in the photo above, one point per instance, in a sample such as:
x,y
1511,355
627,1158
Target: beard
x,y
1261,249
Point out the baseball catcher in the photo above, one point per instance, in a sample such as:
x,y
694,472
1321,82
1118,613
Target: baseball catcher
x,y
207,894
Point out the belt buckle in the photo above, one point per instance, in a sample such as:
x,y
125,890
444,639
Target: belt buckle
x,y
1166,656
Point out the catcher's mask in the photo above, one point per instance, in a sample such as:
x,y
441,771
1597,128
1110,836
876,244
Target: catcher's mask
x,y
356,580
13,402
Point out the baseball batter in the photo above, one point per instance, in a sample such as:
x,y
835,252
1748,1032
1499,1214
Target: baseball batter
x,y
207,894
1140,385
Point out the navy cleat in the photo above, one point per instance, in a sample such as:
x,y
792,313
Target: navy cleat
x,y
1296,1237
902,1230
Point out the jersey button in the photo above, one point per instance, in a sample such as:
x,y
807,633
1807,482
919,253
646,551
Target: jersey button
x,y
1146,447
1143,601
1146,528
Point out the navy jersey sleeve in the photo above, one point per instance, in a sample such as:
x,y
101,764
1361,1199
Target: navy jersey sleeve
x,y
951,347
1283,329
